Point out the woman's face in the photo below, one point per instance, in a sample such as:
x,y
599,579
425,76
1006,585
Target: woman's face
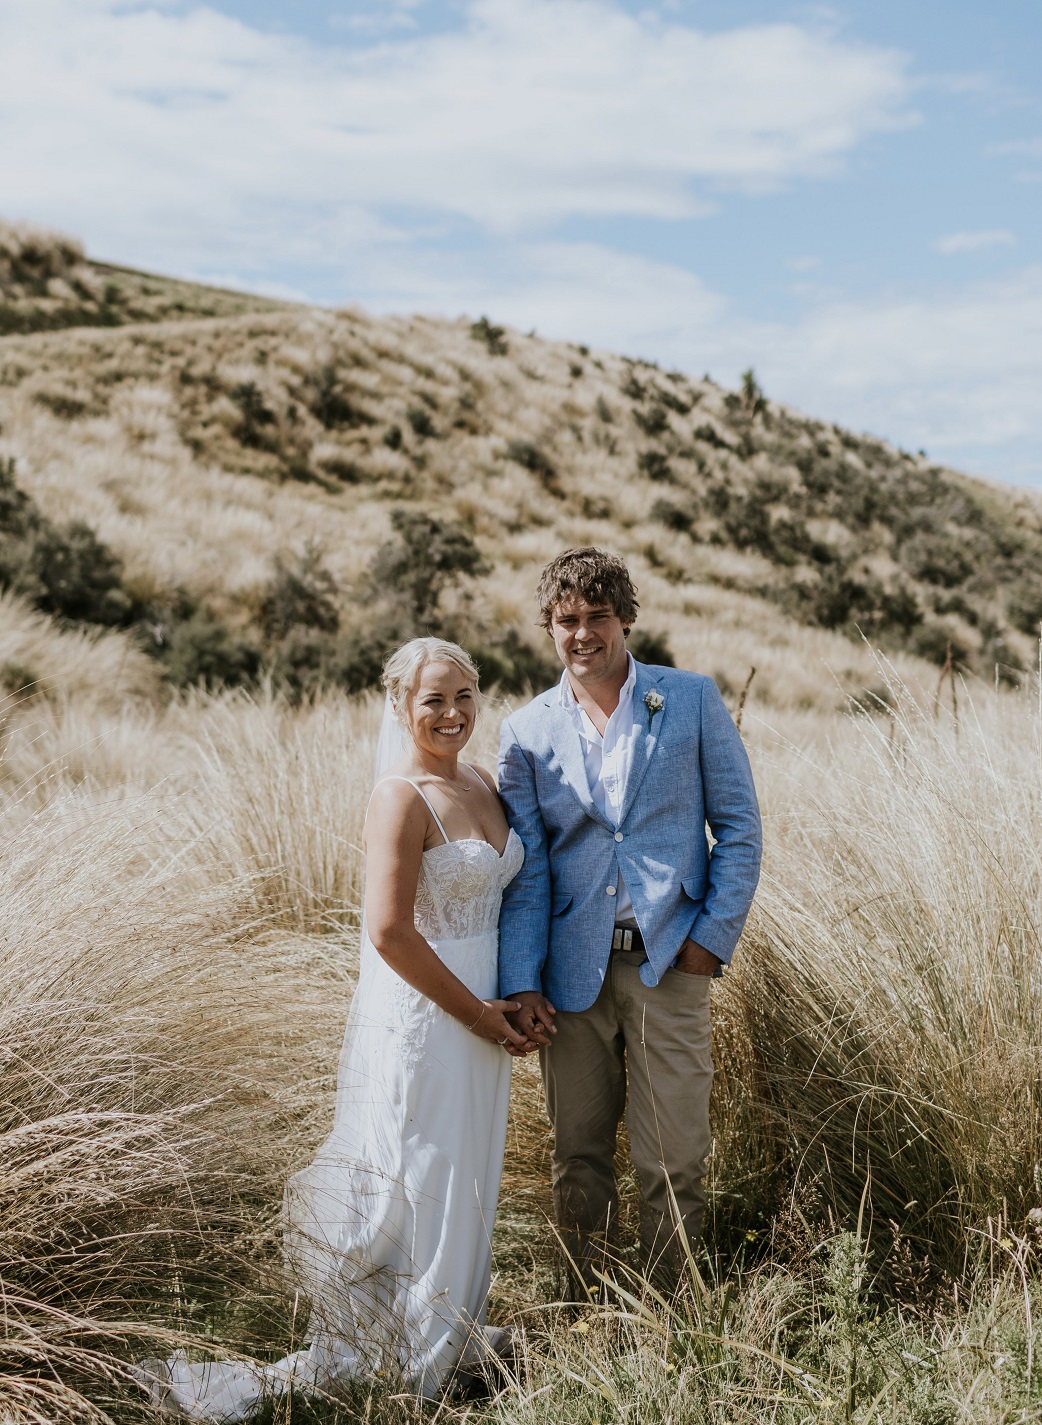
x,y
441,713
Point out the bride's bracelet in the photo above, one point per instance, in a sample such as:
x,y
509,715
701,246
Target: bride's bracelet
x,y
477,1021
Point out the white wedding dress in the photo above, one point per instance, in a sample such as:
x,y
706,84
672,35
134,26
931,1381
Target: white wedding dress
x,y
388,1231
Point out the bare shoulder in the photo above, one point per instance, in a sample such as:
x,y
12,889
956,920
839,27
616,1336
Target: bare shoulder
x,y
396,807
486,777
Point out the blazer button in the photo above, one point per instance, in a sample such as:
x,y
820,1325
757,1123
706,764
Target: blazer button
x,y
619,836
610,890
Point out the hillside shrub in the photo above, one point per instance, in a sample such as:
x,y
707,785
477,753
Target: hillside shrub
x,y
256,418
649,647
200,650
419,418
531,457
309,661
494,337
61,569
672,516
301,594
426,557
511,664
653,421
655,466
330,405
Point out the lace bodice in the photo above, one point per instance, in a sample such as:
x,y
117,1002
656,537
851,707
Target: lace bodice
x,y
461,886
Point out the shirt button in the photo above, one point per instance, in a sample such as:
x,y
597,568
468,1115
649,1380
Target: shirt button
x,y
618,836
610,890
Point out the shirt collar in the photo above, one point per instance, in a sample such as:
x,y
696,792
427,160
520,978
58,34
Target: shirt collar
x,y
568,700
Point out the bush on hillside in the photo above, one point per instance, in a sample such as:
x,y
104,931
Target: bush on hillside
x,y
529,455
511,664
201,651
426,557
301,594
60,569
494,337
329,403
254,429
649,647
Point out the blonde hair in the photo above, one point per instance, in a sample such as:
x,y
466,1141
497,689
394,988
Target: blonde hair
x,y
405,664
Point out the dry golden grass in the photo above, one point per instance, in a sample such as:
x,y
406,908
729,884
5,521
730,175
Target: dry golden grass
x,y
180,889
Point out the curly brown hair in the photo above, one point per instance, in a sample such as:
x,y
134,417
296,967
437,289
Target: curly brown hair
x,y
593,574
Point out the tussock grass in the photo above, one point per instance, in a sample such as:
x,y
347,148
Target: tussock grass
x,y
178,910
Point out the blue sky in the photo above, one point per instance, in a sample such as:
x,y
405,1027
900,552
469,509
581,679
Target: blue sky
x,y
846,197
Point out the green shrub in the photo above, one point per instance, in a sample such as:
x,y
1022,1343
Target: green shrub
x,y
419,417
427,557
256,419
529,455
393,437
655,466
653,421
672,516
329,404
493,337
648,647
61,569
302,594
201,650
512,664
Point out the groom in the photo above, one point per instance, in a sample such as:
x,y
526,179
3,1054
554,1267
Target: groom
x,y
622,914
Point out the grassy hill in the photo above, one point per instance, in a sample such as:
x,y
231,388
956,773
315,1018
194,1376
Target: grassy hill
x,y
249,489
196,488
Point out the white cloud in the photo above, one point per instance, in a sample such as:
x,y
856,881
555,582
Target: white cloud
x,y
155,132
954,244
1020,148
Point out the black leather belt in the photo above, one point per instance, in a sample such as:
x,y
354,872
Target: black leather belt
x,y
627,937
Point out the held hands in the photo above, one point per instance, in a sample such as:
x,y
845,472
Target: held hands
x,y
493,1026
534,1018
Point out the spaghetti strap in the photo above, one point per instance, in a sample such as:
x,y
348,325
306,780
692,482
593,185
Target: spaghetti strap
x,y
393,777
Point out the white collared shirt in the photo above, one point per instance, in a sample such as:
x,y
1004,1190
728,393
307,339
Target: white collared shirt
x,y
608,760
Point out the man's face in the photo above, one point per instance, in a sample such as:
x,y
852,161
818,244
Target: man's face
x,y
590,640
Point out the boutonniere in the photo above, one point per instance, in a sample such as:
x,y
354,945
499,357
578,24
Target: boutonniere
x,y
654,702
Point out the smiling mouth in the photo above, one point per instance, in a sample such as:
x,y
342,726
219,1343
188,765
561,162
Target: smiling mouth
x,y
449,731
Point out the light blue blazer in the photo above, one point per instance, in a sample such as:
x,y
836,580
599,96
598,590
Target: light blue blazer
x,y
689,768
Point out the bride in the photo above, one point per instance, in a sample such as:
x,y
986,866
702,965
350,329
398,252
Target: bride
x,y
388,1231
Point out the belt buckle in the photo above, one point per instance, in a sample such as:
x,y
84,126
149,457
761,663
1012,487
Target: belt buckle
x,y
622,938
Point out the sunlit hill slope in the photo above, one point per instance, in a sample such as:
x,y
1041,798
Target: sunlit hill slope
x,y
235,488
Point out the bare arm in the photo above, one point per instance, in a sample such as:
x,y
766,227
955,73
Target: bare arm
x,y
396,828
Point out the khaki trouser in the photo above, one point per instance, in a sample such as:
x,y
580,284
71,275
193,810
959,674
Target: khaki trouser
x,y
659,1040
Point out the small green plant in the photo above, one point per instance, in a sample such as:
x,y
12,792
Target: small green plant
x,y
426,557
61,569
256,417
201,651
655,466
329,403
533,458
494,337
649,647
654,421
752,396
301,594
419,418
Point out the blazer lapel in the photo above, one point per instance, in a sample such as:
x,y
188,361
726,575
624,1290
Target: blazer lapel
x,y
565,741
645,736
